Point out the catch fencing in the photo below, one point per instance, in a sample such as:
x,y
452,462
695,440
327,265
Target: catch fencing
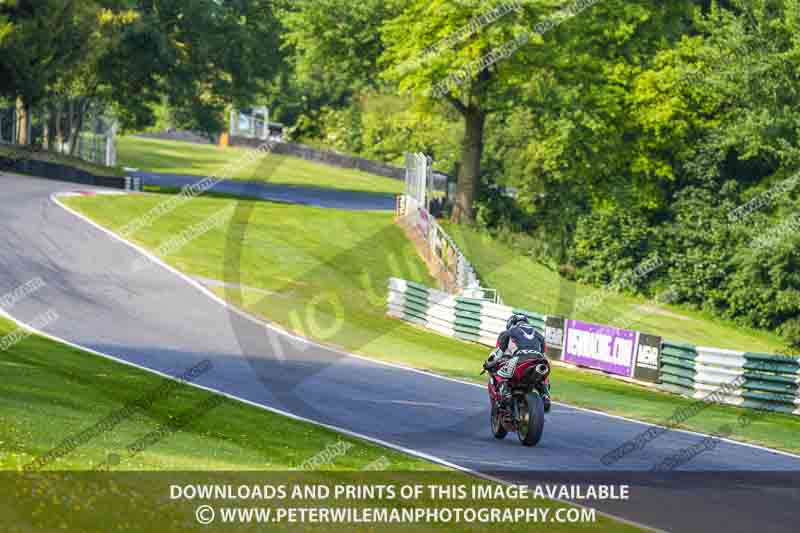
x,y
459,274
97,144
414,213
7,125
745,379
57,128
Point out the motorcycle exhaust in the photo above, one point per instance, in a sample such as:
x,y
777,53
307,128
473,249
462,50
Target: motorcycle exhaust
x,y
542,369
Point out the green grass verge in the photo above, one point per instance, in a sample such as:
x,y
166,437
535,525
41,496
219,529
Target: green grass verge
x,y
175,157
24,152
323,273
53,392
524,283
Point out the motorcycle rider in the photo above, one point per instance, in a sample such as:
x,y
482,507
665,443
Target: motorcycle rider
x,y
518,335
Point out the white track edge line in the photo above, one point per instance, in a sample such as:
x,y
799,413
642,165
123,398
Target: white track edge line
x,y
207,292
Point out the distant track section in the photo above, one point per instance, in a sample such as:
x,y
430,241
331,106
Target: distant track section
x,y
312,196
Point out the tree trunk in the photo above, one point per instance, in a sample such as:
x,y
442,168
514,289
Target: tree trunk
x,y
70,121
49,134
23,118
83,107
46,133
470,168
59,127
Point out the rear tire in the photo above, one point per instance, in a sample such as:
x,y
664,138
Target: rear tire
x,y
498,430
531,423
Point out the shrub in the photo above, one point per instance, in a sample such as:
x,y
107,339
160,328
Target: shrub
x,y
608,247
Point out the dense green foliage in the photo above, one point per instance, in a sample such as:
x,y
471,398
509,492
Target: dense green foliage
x,y
198,56
716,125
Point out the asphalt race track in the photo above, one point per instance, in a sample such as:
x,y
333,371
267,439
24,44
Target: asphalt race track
x,y
157,319
312,196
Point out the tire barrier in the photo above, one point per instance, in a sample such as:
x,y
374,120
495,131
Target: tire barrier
x,y
468,319
772,382
753,380
720,371
132,184
677,368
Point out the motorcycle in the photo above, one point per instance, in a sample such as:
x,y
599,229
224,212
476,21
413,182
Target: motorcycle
x,y
525,374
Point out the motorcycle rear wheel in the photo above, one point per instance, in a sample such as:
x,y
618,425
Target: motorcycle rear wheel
x,y
531,419
498,430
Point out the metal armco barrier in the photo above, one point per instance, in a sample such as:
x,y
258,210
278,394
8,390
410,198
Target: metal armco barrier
x,y
753,380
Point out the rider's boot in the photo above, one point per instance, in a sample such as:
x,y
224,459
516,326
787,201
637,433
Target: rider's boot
x,y
505,400
546,397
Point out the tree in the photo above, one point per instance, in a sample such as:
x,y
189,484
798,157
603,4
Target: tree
x,y
445,53
6,27
337,42
721,104
48,40
370,44
201,55
570,144
332,48
65,56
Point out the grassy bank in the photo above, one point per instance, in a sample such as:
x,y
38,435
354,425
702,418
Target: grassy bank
x,y
52,391
322,273
175,157
524,283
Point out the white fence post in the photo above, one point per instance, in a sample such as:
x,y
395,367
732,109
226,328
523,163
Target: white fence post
x,y
265,129
423,180
440,246
111,152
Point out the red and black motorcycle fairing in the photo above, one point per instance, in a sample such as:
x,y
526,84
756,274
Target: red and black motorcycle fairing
x,y
526,376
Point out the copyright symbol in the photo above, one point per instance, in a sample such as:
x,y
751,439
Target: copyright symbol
x,y
204,514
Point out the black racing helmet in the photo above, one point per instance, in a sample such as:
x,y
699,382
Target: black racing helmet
x,y
515,320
